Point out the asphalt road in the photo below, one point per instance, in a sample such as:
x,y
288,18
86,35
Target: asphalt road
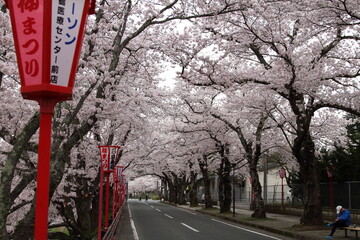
x,y
152,220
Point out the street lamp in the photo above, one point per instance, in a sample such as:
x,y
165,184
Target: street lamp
x,y
118,181
48,44
282,174
108,156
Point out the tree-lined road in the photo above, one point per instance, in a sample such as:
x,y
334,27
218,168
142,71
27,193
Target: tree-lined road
x,y
154,220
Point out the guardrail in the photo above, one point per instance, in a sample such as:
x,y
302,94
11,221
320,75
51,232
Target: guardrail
x,y
110,233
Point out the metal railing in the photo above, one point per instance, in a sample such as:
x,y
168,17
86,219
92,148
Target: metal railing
x,y
110,233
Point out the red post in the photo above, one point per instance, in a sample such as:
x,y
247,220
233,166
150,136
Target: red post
x,y
282,174
100,203
43,168
331,192
282,191
114,199
330,176
107,201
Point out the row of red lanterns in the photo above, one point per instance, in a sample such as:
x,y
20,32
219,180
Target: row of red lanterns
x,y
109,156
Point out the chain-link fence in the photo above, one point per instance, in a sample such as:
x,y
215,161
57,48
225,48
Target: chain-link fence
x,y
270,194
346,194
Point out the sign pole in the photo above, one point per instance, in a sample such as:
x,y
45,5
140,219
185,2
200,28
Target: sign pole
x,y
282,174
331,192
101,192
331,202
114,198
43,168
107,201
282,191
233,192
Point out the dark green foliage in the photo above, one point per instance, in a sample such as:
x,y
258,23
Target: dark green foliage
x,y
343,161
3,8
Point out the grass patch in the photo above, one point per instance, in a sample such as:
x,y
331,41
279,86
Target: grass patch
x,y
302,227
251,219
238,216
59,229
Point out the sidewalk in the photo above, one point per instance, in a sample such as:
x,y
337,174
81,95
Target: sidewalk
x,y
285,225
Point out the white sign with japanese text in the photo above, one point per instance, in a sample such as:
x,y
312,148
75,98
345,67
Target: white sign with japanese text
x,y
104,154
66,18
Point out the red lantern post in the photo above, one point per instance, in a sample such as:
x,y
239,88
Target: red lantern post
x,y
117,188
282,174
101,192
123,189
330,176
114,196
48,36
108,155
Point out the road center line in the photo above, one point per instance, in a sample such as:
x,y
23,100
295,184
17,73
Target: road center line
x,y
189,227
244,229
169,216
158,210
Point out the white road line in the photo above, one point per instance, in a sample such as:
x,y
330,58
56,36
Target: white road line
x,y
152,206
136,237
189,227
158,210
244,229
169,216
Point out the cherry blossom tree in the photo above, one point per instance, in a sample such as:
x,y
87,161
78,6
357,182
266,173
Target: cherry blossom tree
x,y
306,52
111,61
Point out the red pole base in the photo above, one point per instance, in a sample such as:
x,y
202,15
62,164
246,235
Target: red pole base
x,y
43,169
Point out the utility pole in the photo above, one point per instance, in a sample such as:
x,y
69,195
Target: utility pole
x,y
265,178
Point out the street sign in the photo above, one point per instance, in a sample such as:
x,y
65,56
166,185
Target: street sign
x,y
282,173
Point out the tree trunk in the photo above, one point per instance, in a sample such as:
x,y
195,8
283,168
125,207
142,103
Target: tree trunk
x,y
7,173
171,189
203,167
224,181
208,198
303,150
25,228
225,193
181,186
166,190
84,220
194,202
257,202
